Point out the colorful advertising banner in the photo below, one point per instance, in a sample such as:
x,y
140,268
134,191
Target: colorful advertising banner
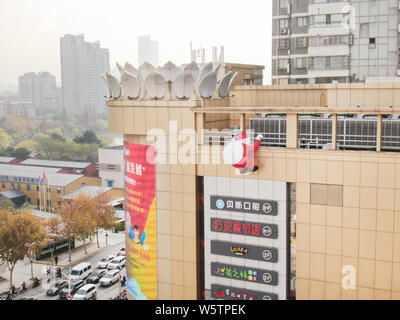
x,y
140,222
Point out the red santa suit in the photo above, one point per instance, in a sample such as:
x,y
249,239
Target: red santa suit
x,y
240,153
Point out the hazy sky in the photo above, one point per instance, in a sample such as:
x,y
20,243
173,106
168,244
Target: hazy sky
x,y
30,30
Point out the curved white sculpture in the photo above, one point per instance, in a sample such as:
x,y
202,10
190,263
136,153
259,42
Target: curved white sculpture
x,y
208,84
194,69
217,68
226,84
108,87
184,85
156,85
132,70
131,85
120,68
206,70
169,71
145,70
114,85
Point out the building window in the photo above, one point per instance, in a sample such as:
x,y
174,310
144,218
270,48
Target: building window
x,y
3,185
29,200
38,202
283,64
37,188
301,22
48,189
301,63
12,186
283,26
301,42
283,4
109,183
58,189
28,187
18,186
283,43
48,204
372,43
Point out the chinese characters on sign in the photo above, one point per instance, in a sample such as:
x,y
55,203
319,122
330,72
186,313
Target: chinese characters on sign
x,y
263,207
229,249
245,228
229,293
244,273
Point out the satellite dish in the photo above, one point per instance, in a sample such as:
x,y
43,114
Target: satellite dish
x,y
120,68
193,68
169,71
156,85
206,70
184,85
226,84
208,84
108,87
132,70
115,86
131,85
145,70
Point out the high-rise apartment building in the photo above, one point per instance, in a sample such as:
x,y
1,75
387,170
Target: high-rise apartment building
x,y
148,51
324,41
39,89
82,64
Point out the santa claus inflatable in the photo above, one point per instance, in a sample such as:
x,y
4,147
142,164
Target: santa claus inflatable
x,y
240,153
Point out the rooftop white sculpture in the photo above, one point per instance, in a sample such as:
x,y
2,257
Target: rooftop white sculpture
x,y
184,81
131,85
156,85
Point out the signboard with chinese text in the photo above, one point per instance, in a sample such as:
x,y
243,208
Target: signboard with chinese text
x,y
249,274
140,222
246,238
263,207
245,228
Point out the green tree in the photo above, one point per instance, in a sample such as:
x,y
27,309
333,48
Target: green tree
x,y
28,145
5,139
21,153
88,137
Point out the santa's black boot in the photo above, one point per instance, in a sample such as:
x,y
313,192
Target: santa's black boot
x,y
254,169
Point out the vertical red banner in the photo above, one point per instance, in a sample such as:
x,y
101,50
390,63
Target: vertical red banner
x,y
140,223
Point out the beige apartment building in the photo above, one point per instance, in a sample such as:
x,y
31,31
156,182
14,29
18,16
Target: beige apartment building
x,y
335,194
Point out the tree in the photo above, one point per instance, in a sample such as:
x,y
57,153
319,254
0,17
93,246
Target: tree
x,y
5,139
66,213
88,137
104,215
38,238
55,230
28,145
83,222
16,232
21,153
57,136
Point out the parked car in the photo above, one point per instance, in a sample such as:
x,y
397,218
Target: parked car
x,y
110,278
81,271
96,276
74,288
103,263
121,252
117,263
57,287
28,298
87,292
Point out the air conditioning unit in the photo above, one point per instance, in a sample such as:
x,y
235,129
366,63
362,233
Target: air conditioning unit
x,y
284,31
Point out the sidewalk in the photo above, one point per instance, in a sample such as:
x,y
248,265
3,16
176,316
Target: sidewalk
x,y
22,271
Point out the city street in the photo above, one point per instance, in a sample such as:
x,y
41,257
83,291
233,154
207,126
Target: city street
x,y
102,293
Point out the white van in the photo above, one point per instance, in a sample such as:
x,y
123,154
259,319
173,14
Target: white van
x,y
81,271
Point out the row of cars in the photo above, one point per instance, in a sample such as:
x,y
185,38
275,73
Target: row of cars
x,y
82,281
